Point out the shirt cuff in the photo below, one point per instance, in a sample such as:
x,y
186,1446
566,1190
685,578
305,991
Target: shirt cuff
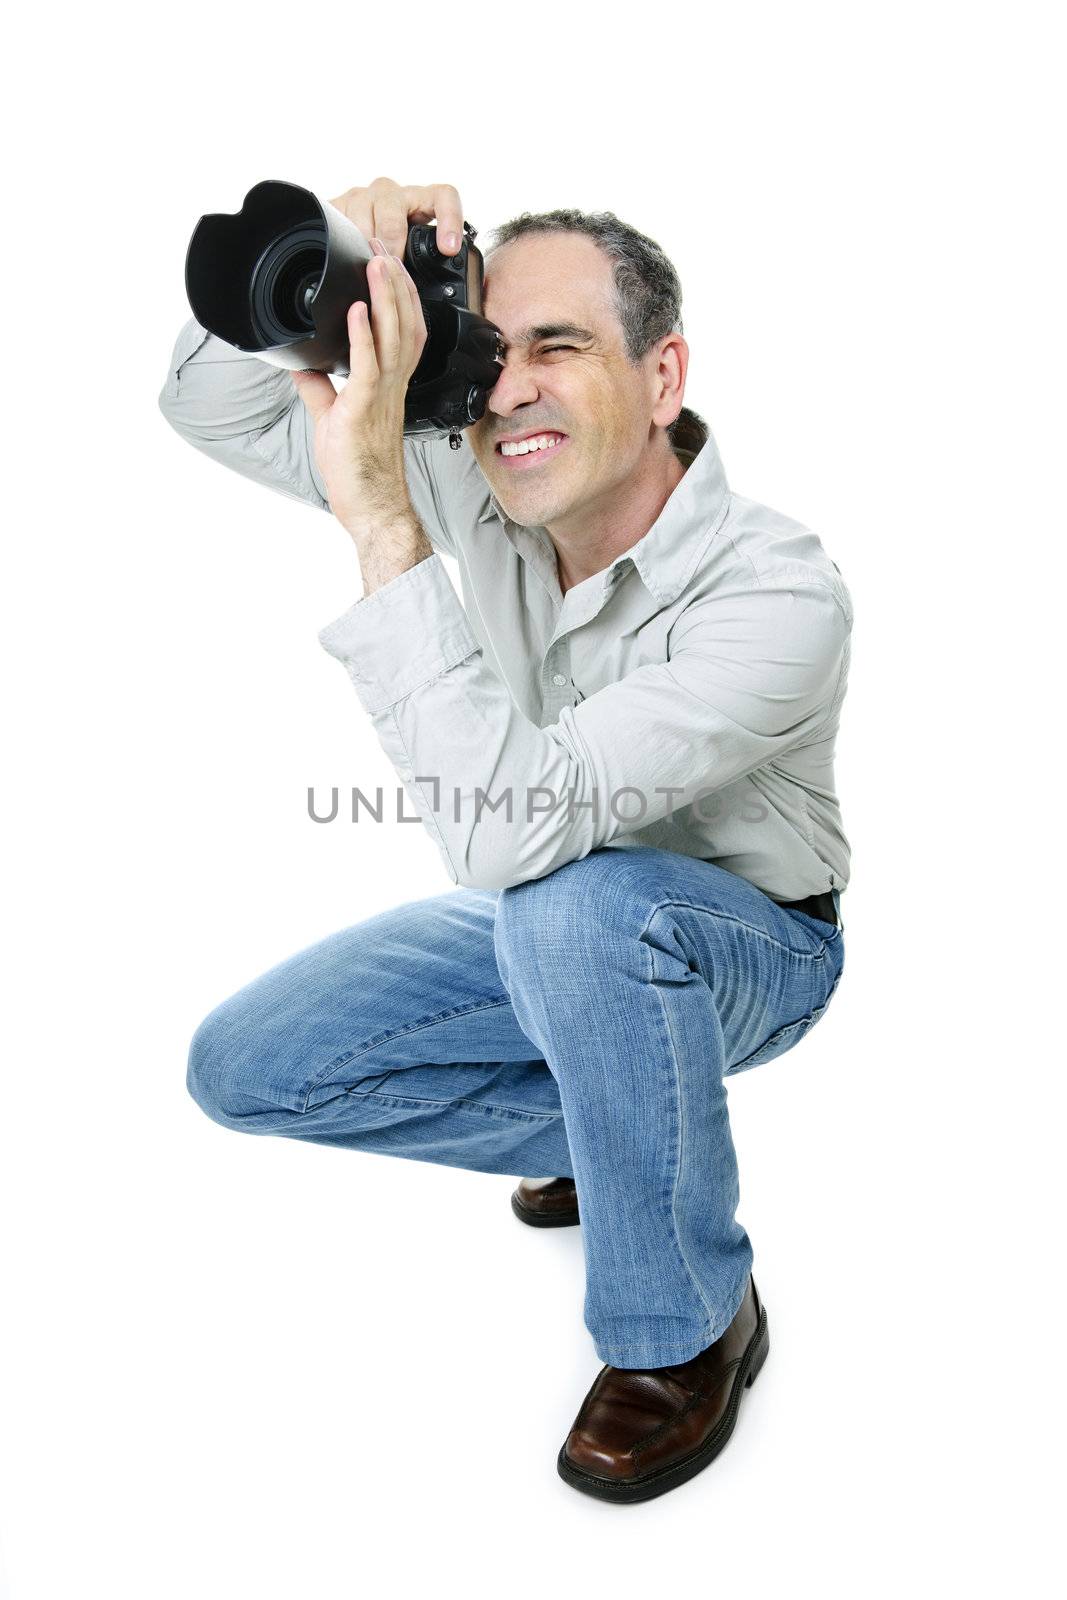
x,y
407,632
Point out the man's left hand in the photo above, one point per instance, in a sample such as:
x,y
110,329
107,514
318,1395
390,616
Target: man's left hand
x,y
359,429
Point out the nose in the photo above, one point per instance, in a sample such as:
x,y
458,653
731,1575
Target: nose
x,y
512,389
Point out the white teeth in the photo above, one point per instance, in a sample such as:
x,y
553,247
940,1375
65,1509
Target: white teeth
x,y
543,441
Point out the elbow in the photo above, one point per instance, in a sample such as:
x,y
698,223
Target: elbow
x,y
489,875
195,421
168,405
483,864
498,847
493,866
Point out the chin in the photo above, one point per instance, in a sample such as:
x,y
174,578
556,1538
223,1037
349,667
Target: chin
x,y
531,510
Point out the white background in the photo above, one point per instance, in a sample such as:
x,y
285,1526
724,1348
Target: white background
x,y
239,1367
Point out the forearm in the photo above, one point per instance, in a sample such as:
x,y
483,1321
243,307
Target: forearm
x,y
388,543
477,771
507,800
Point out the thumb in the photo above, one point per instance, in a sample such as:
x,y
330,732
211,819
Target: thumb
x,y
316,391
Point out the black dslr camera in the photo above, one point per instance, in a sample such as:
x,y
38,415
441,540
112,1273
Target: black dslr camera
x,y
277,279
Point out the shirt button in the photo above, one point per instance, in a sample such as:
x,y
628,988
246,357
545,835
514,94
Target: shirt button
x,y
558,679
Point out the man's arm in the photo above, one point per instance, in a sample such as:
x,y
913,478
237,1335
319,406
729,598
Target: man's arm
x,y
752,673
247,415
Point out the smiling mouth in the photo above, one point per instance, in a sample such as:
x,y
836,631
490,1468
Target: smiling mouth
x,y
528,453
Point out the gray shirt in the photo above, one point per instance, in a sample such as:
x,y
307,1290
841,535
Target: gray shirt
x,y
686,697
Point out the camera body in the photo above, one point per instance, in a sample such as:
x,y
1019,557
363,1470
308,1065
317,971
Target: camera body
x,y
276,279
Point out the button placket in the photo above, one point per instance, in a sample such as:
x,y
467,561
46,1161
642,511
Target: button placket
x,y
555,680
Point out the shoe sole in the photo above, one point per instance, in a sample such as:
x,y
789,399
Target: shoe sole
x,y
626,1493
536,1219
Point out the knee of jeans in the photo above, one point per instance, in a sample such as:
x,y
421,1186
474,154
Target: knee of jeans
x,y
218,1069
205,1075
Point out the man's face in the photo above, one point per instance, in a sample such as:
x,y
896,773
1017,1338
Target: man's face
x,y
578,382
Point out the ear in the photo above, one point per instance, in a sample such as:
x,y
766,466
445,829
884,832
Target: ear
x,y
669,363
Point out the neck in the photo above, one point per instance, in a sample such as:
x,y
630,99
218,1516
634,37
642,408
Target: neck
x,y
591,539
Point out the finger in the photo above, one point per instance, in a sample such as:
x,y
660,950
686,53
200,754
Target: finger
x,y
316,391
448,209
417,321
438,202
409,318
391,221
419,201
384,315
362,360
356,205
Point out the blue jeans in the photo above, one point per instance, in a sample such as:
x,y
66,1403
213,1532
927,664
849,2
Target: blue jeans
x,y
580,1025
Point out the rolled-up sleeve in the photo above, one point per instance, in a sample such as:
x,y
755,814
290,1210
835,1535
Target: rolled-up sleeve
x,y
246,414
751,673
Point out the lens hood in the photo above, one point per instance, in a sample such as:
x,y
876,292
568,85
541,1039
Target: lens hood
x,y
277,278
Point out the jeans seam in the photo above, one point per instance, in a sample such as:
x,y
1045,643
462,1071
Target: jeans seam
x,y
397,1033
513,1113
649,1347
677,1153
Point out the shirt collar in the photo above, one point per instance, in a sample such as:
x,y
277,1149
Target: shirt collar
x,y
666,556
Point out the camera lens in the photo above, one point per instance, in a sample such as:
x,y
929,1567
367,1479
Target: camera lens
x,y
283,284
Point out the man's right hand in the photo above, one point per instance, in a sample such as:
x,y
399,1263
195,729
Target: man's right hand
x,y
386,210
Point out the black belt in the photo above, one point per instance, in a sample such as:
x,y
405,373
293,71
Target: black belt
x,y
816,905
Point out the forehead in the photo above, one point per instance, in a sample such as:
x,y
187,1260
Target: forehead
x,y
549,278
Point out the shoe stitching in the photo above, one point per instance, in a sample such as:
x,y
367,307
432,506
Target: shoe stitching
x,y
635,1451
697,1400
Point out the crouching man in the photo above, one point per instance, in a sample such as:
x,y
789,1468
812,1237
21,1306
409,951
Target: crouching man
x,y
621,739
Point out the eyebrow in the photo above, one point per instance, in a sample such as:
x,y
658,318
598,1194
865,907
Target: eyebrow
x,y
553,330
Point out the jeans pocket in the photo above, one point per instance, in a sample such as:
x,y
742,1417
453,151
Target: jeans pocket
x,y
778,1043
785,1038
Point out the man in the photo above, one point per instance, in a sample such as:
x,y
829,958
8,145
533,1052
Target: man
x,y
622,742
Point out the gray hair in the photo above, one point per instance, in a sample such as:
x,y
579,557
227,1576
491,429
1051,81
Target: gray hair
x,y
648,293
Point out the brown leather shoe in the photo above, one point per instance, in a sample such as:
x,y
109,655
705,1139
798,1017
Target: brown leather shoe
x,y
546,1202
643,1431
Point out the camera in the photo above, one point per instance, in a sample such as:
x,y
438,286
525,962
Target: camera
x,y
277,277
